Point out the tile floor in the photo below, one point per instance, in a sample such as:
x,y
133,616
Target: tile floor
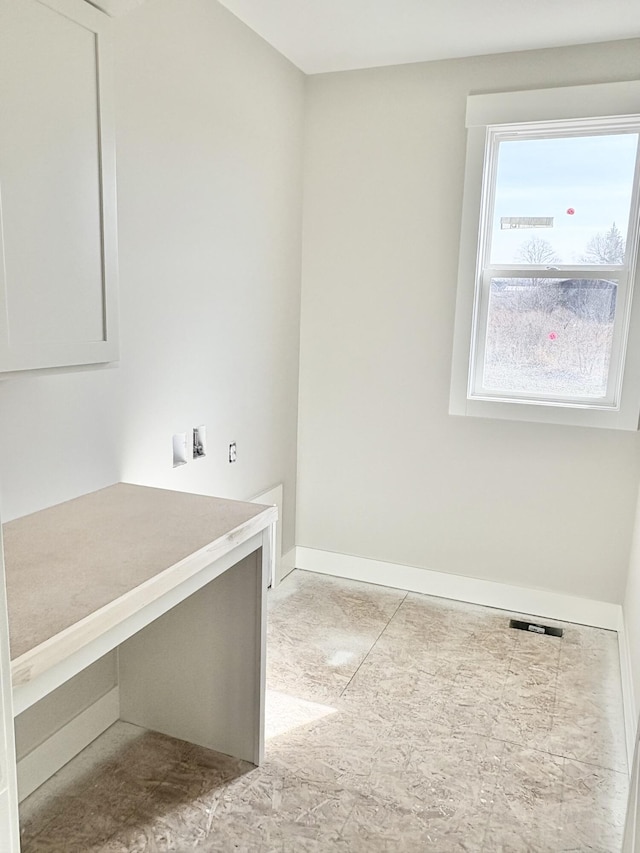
x,y
395,722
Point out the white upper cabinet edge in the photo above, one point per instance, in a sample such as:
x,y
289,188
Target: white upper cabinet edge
x,y
60,355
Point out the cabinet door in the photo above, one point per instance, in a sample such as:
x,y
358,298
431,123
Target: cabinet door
x,y
57,186
9,832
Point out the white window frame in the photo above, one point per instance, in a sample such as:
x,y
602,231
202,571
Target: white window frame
x,y
602,103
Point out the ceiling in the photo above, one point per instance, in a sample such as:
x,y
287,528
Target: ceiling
x,y
338,35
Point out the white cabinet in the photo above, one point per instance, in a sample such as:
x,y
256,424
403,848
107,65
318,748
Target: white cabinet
x,y
8,837
58,255
9,832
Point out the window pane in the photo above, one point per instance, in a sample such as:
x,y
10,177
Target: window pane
x,y
549,336
563,200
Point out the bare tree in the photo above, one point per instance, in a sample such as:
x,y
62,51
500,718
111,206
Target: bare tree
x,y
595,300
605,247
541,293
535,250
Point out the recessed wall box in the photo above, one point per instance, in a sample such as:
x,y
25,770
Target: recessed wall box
x,y
199,441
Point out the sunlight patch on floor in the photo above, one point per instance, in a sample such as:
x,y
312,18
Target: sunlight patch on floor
x,y
285,713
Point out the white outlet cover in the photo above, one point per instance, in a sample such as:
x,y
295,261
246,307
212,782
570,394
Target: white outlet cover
x,y
179,449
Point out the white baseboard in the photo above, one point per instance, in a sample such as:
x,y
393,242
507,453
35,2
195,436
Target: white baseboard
x,y
287,565
45,760
534,602
628,699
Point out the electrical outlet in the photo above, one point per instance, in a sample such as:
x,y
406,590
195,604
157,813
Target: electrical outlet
x,y
199,441
233,453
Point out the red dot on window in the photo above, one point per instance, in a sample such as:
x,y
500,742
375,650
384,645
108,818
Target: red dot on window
x,y
570,211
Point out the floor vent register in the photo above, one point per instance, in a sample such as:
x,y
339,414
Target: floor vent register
x,y
534,628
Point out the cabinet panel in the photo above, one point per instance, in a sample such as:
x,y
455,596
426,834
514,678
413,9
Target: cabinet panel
x,y
8,836
9,833
57,191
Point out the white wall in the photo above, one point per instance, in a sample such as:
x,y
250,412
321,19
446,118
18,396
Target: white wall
x,y
209,144
631,613
209,183
383,470
209,199
58,438
43,719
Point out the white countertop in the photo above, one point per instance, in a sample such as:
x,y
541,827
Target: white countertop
x,y
75,569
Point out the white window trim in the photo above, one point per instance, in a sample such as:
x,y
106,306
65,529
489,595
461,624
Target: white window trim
x,y
574,102
622,274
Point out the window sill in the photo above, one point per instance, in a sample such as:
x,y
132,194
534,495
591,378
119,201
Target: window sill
x,y
625,418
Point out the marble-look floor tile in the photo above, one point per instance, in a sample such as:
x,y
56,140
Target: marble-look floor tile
x,y
595,683
596,660
313,658
344,605
377,825
589,638
593,807
44,804
299,812
148,782
531,674
473,708
455,773
572,703
519,839
524,724
590,739
340,751
395,723
381,682
527,800
284,713
423,618
532,650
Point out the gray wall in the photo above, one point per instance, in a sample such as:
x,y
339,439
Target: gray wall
x,y
383,470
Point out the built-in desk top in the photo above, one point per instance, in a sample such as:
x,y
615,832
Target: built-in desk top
x,y
124,545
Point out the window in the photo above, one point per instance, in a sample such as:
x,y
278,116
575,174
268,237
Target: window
x,y
548,258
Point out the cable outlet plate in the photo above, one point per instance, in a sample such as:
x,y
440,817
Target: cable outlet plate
x,y
233,453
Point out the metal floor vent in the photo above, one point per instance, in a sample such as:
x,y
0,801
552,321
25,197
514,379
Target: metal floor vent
x,y
536,629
